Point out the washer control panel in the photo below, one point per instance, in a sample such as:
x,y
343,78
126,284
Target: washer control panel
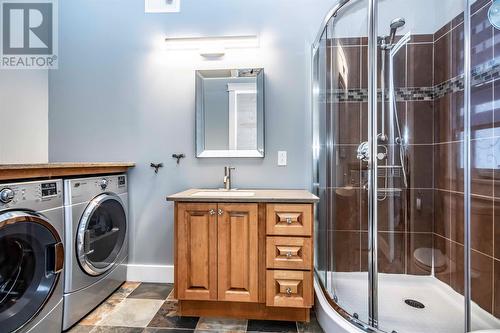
x,y
20,195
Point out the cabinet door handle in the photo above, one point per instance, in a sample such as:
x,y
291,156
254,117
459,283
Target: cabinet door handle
x,y
220,211
211,212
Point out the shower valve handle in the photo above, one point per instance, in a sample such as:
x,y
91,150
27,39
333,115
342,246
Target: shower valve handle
x,y
363,152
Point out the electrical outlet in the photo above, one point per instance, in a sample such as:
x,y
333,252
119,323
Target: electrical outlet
x,y
162,6
282,158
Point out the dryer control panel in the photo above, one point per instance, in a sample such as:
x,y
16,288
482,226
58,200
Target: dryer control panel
x,y
85,189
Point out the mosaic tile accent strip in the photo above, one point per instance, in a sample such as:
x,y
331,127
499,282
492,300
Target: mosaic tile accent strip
x,y
480,75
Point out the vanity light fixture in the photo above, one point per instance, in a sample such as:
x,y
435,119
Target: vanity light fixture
x,y
211,46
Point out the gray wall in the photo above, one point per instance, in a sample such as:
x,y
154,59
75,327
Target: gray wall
x,y
24,109
119,96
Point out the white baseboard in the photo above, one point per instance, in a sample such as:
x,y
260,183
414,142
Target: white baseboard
x,y
150,273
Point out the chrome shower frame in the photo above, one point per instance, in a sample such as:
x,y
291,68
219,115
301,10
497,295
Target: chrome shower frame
x,y
373,164
467,164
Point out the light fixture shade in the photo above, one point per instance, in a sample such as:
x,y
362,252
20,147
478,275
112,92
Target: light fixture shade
x,y
207,44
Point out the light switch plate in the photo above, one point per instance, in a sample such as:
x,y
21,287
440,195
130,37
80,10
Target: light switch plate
x,y
162,6
282,158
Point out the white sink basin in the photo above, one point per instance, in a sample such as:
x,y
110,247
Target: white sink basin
x,y
223,193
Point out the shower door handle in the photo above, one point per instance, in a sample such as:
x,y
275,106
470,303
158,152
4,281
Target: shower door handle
x,y
419,204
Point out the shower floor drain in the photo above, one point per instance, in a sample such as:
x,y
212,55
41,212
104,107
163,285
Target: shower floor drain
x,y
414,304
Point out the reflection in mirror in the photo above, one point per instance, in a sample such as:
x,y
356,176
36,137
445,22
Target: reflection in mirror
x,y
230,113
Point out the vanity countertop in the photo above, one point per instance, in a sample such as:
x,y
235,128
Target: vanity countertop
x,y
271,196
51,170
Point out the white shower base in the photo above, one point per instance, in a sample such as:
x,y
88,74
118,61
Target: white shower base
x,y
443,312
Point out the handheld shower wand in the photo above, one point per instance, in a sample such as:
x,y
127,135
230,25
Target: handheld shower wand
x,y
395,25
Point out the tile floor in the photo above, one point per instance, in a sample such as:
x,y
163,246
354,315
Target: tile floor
x,y
150,308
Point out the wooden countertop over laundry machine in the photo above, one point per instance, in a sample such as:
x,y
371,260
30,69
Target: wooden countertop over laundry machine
x,y
52,170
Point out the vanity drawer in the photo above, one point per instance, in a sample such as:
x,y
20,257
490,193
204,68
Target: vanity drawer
x,y
289,252
289,219
289,289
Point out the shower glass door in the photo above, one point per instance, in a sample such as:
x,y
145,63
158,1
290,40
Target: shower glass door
x,y
340,120
419,200
484,180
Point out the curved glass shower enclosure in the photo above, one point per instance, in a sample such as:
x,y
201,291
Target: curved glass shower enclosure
x,y
406,117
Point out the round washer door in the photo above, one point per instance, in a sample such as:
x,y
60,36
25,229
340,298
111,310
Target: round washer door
x,y
101,234
31,259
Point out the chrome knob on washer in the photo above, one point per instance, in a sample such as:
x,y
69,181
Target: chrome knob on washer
x,y
103,183
6,195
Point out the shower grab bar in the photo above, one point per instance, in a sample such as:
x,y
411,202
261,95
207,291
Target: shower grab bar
x,y
390,167
331,13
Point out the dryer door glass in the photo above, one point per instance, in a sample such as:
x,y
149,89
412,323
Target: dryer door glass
x,y
101,234
28,273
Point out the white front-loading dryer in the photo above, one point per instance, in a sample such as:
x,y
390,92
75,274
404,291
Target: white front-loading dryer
x,y
96,211
31,256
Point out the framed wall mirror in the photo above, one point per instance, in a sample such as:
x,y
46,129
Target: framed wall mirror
x,y
230,113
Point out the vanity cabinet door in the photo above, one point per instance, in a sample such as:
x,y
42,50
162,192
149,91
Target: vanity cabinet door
x,y
238,240
197,251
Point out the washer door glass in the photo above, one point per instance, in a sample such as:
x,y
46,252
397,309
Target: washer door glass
x,y
101,234
30,261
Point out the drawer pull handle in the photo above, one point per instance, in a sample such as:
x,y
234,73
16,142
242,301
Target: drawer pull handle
x,y
289,255
212,212
289,220
289,291
220,212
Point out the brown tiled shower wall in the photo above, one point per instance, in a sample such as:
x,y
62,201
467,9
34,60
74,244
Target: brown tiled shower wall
x,y
429,82
448,161
412,226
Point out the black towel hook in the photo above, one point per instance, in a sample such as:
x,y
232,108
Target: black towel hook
x,y
156,166
178,157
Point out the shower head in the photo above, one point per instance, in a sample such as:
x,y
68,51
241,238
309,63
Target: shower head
x,y
395,25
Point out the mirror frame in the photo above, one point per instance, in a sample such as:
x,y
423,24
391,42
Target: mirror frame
x,y
201,151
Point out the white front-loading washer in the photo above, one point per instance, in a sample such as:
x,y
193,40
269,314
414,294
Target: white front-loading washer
x,y
31,256
96,211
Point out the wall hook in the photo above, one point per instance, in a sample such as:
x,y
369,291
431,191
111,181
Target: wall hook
x,y
178,157
156,166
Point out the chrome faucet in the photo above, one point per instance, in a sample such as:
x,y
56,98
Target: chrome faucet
x,y
227,177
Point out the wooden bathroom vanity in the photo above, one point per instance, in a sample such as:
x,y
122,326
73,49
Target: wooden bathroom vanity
x,y
244,254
